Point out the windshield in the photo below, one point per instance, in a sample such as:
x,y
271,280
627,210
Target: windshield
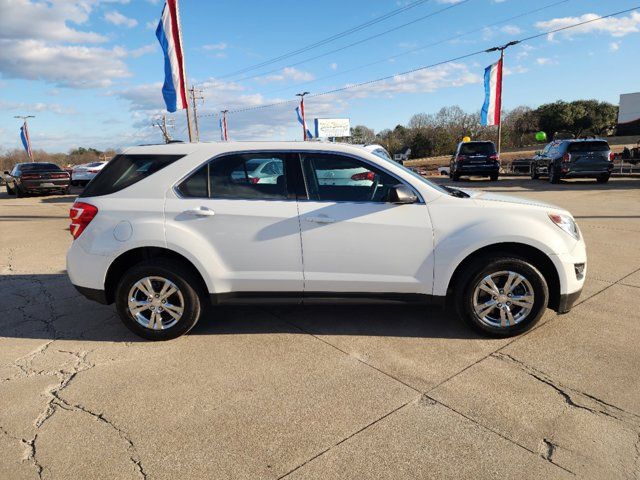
x,y
435,186
382,153
478,148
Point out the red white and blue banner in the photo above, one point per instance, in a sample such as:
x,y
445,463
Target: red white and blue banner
x,y
301,120
26,141
168,32
492,94
224,134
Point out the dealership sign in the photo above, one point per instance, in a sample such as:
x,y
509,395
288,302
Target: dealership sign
x,y
332,127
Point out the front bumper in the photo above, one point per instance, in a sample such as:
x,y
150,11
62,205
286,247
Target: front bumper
x,y
567,301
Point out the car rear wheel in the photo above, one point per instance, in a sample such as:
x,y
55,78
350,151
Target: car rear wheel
x,y
534,173
604,178
493,178
19,192
156,299
455,177
554,175
502,295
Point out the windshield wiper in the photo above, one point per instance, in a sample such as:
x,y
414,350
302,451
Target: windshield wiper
x,y
454,192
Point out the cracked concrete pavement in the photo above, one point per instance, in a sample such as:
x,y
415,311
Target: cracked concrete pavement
x,y
322,392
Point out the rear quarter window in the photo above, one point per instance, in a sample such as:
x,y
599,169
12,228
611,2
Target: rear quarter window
x,y
125,170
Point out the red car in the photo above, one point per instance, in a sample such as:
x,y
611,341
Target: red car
x,y
37,177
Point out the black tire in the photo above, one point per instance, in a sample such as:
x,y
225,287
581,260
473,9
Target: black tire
x,y
604,178
488,265
494,178
65,191
554,175
180,276
534,173
19,192
9,190
455,177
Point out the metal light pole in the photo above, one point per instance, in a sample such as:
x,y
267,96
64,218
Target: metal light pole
x,y
501,50
26,133
304,122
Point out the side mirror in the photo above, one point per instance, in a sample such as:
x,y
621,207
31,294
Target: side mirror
x,y
400,194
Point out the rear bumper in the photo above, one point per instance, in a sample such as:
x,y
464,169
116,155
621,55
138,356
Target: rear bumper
x,y
477,170
44,185
93,294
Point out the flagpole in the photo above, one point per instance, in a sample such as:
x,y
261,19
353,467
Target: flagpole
x,y
501,49
26,133
500,106
302,114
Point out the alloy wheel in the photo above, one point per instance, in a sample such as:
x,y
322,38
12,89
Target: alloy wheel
x,y
156,303
503,299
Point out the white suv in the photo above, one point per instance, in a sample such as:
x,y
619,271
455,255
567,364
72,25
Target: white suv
x,y
163,229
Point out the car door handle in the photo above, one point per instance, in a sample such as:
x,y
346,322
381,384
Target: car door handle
x,y
200,212
319,219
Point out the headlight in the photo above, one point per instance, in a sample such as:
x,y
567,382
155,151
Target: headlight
x,y
566,223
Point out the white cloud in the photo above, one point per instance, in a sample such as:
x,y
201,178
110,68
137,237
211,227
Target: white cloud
x,y
614,26
37,107
614,46
333,66
22,19
119,19
544,61
150,48
65,66
215,46
287,74
511,30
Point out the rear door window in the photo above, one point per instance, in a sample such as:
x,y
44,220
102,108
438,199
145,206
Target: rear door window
x,y
125,170
252,176
588,147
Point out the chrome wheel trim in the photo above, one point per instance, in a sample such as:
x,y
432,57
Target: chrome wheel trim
x,y
155,303
503,299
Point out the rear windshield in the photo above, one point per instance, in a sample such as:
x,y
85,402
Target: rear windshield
x,y
125,170
39,167
588,147
480,148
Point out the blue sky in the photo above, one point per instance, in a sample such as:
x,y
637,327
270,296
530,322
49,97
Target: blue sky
x,y
91,71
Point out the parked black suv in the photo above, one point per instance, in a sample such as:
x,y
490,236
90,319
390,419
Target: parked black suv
x,y
574,158
475,158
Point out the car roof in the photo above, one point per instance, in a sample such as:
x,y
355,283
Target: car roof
x,y
214,148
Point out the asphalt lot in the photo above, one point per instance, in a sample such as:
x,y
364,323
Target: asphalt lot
x,y
321,392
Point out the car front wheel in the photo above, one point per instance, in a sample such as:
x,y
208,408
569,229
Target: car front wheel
x,y
156,299
604,178
502,296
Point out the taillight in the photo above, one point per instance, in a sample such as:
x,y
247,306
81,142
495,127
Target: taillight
x,y
81,215
253,180
364,176
612,156
93,171
29,176
59,175
462,158
495,157
566,158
